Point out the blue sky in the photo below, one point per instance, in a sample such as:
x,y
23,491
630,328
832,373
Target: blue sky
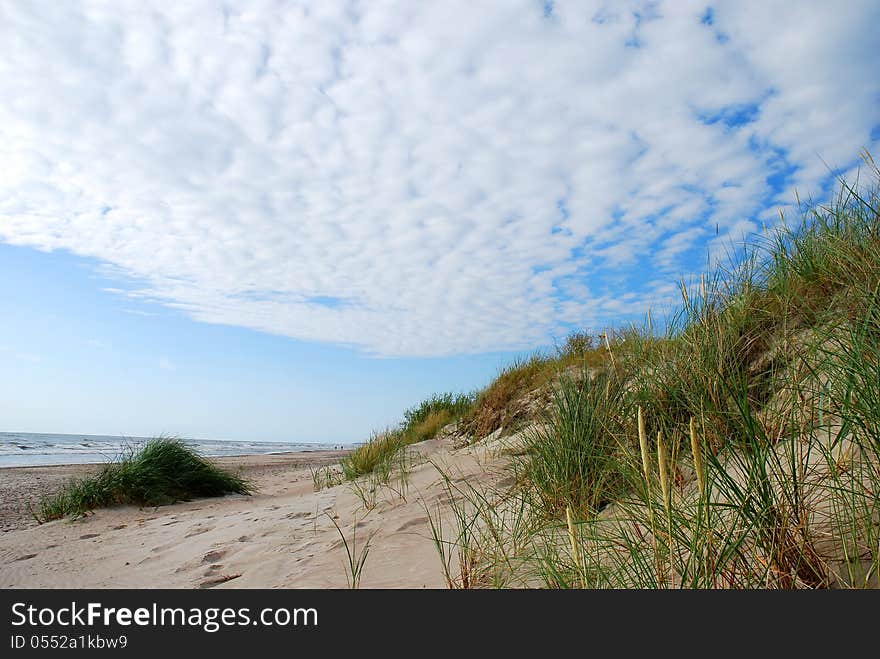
x,y
75,358
290,221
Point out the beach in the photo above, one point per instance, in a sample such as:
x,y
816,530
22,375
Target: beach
x,y
283,536
22,487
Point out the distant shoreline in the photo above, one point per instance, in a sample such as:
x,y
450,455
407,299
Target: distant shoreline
x,y
93,463
20,449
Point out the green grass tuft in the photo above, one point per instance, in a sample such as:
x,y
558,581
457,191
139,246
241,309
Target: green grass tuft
x,y
163,471
420,423
573,459
502,403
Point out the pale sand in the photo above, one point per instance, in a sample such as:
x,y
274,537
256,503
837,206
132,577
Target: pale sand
x,y
282,537
22,487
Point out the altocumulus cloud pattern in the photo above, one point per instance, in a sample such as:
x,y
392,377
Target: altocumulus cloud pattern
x,y
420,178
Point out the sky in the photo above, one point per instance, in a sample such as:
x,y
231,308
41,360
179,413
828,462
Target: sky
x,y
290,221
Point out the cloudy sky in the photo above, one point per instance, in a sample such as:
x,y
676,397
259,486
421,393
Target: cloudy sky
x,y
213,216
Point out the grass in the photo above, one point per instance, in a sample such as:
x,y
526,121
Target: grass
x,y
738,447
507,401
419,424
357,557
572,458
163,471
378,451
485,528
500,403
325,477
763,399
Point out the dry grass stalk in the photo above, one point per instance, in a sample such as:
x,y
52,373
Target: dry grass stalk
x,y
575,551
664,472
643,444
698,459
662,460
608,347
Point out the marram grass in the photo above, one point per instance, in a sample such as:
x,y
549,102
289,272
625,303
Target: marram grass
x,y
163,471
663,465
643,446
697,453
771,368
420,423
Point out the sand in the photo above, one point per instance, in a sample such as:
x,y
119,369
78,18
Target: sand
x,y
281,537
22,487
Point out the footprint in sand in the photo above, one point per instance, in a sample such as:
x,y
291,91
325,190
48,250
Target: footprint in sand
x,y
214,556
198,530
418,521
26,557
297,515
243,538
88,536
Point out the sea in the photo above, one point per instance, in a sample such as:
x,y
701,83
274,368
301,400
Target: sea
x,y
23,449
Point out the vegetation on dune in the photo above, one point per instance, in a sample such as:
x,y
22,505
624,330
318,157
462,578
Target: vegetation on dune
x,y
163,471
505,402
572,459
425,420
501,404
420,423
738,448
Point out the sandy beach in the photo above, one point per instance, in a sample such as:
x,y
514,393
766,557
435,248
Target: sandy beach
x,y
283,536
22,487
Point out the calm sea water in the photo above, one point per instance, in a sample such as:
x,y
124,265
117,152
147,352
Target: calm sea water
x,y
34,449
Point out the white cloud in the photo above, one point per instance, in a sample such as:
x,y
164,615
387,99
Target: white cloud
x,y
416,178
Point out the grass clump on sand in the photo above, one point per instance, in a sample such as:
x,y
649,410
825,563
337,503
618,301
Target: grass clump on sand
x,y
573,461
420,423
163,471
